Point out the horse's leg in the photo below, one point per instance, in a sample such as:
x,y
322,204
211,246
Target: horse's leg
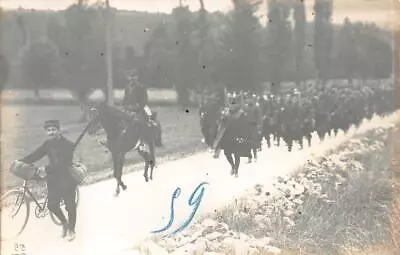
x,y
228,156
237,164
115,166
122,162
118,162
145,156
152,159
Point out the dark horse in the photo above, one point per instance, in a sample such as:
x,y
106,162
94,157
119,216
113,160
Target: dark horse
x,y
124,132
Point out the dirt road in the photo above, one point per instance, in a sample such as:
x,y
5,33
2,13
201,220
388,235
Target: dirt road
x,y
108,224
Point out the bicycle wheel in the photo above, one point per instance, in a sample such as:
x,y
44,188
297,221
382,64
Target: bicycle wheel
x,y
14,211
54,218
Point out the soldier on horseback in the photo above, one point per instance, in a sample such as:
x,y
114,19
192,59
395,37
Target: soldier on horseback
x,y
136,101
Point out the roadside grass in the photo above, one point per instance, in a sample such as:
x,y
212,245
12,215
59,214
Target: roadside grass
x,y
345,207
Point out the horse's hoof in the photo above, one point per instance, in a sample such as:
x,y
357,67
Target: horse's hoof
x,y
236,175
146,179
124,187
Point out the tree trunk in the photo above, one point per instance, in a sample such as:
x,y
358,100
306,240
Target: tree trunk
x,y
82,98
183,95
36,94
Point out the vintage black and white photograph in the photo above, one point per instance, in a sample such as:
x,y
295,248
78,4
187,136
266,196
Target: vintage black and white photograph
x,y
200,127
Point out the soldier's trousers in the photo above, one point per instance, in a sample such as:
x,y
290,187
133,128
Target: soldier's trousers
x,y
56,193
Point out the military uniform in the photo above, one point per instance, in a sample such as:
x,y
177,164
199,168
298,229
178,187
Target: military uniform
x,y
136,100
60,183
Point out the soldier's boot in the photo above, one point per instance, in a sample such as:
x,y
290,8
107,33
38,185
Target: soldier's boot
x,y
216,153
151,121
309,140
64,230
290,144
70,235
158,142
268,141
321,136
255,155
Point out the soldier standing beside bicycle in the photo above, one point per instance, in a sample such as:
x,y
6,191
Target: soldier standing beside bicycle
x,y
60,183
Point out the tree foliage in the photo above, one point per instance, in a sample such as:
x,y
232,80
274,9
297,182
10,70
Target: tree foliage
x,y
39,65
299,15
242,46
185,64
323,37
192,50
279,43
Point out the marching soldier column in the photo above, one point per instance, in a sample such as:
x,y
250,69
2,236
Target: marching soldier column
x,y
294,115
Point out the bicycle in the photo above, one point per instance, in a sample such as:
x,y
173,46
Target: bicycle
x,y
22,204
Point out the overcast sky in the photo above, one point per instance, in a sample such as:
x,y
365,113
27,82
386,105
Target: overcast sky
x,y
365,10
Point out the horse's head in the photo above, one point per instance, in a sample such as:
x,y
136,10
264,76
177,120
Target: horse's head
x,y
95,113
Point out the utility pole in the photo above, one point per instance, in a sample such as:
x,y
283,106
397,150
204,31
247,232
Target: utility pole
x,y
202,33
395,24
110,91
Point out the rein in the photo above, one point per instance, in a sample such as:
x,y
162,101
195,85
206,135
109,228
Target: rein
x,y
82,134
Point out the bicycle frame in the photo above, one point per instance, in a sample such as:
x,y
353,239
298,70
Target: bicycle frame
x,y
32,197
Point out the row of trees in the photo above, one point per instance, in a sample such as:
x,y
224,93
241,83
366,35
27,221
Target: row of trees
x,y
199,50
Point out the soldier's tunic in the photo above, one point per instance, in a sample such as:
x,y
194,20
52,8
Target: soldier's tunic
x,y
235,135
253,115
136,99
60,183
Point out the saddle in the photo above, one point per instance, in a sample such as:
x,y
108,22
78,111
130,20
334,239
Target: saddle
x,y
132,116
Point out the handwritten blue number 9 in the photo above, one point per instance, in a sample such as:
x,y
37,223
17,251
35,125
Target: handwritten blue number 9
x,y
193,201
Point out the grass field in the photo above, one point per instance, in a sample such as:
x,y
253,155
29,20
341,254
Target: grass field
x,y
22,132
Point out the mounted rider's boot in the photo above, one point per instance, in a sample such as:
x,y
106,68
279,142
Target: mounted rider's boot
x,y
153,122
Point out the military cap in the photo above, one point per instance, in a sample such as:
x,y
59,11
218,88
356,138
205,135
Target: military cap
x,y
51,123
132,74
